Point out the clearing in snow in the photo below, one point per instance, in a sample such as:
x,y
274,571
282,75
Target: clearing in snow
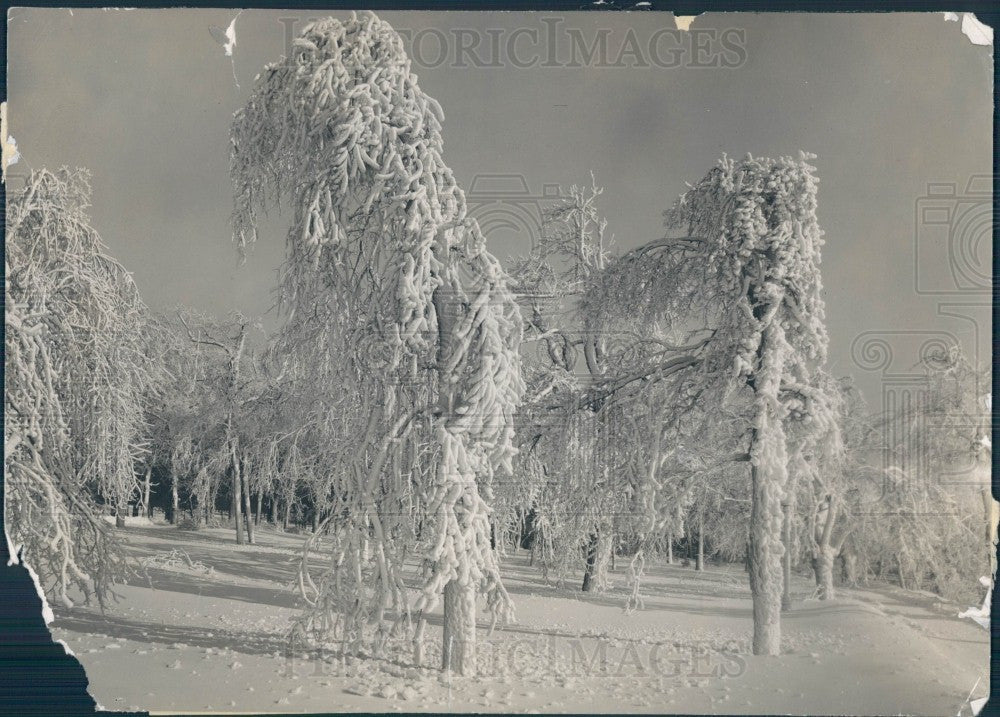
x,y
206,628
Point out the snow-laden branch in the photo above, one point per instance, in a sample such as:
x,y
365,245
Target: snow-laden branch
x,y
76,375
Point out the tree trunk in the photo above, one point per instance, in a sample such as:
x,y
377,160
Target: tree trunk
x,y
458,651
670,547
901,576
145,491
605,554
260,498
765,562
274,509
826,553
588,573
174,500
237,498
768,477
288,515
315,519
248,512
786,563
700,564
823,567
849,561
212,501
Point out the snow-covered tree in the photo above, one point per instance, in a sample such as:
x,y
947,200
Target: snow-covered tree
x,y
229,342
406,311
572,485
826,480
753,242
739,294
183,414
926,509
624,376
76,376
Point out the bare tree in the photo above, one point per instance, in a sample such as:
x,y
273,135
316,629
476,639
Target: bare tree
x,y
236,391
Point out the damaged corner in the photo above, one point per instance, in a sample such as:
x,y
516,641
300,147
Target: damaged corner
x,y
683,22
978,32
38,669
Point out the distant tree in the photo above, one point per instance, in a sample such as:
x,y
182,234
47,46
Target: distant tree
x,y
183,412
927,511
573,485
237,386
829,480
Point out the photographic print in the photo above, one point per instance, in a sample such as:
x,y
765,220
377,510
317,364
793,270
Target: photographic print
x,y
550,362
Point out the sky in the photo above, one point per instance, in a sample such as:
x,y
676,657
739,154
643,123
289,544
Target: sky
x,y
897,108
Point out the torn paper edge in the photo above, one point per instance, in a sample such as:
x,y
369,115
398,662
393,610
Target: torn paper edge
x,y
47,615
46,609
975,705
229,43
978,33
683,22
8,145
16,558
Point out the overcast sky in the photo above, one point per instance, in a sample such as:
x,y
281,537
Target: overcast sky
x,y
889,103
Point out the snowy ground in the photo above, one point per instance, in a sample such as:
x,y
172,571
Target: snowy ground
x,y
209,634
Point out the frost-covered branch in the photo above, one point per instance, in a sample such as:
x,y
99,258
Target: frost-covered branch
x,y
76,377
